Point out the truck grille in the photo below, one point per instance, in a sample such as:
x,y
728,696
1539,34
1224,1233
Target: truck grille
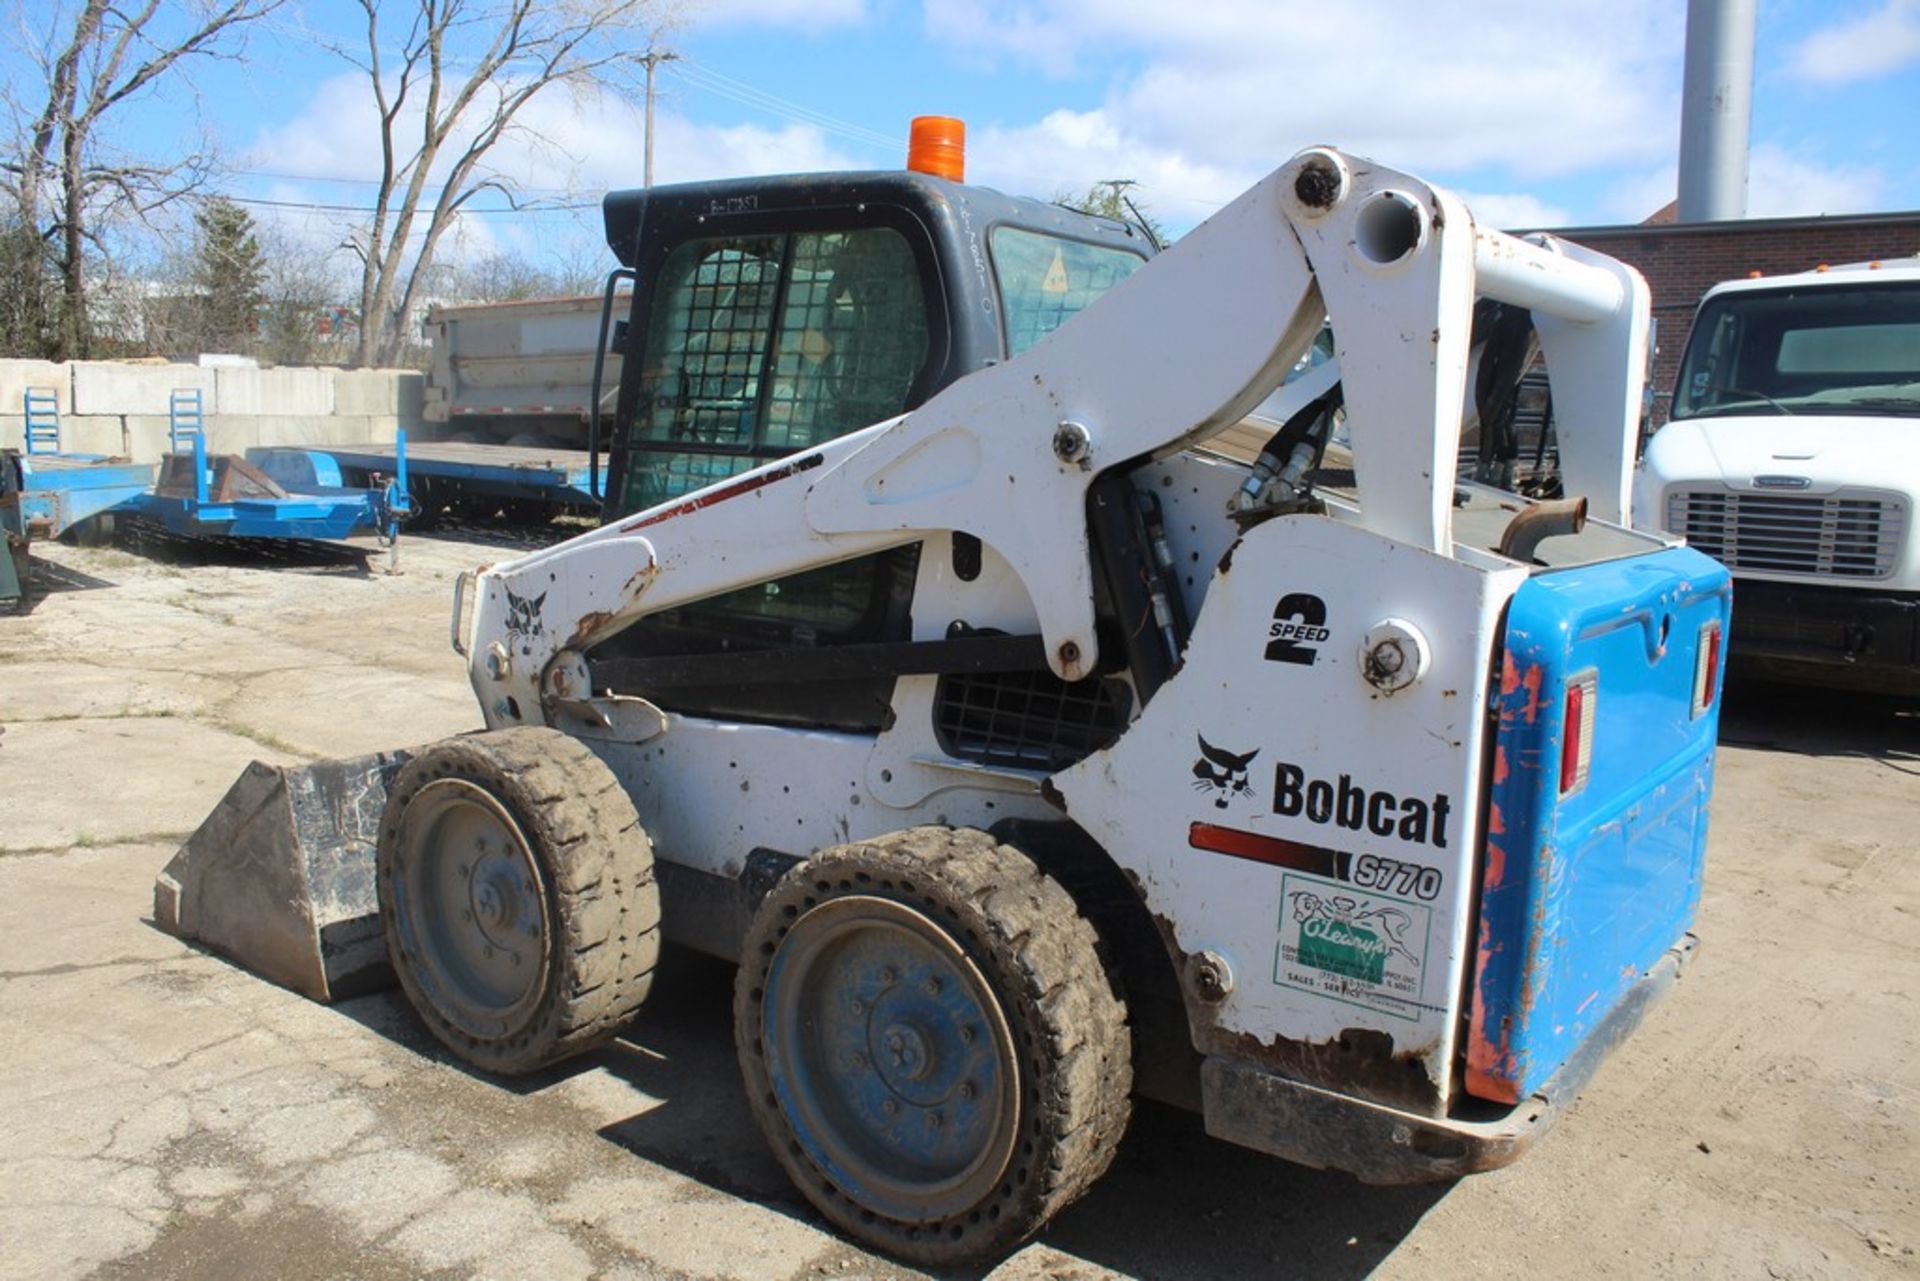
x,y
1834,537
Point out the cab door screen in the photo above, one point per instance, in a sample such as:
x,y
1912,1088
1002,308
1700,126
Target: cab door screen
x,y
758,346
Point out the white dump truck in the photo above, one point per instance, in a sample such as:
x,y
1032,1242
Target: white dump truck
x,y
1793,456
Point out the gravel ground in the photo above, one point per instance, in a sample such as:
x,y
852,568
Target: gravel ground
x,y
167,1115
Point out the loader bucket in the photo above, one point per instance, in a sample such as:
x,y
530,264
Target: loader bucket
x,y
280,876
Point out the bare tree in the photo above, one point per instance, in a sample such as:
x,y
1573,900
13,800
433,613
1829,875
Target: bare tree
x,y
1108,198
450,90
97,60
502,278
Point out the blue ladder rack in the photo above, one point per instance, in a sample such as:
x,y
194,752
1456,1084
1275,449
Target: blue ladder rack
x,y
42,406
186,419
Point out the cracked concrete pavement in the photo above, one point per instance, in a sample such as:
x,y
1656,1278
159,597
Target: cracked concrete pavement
x,y
167,1115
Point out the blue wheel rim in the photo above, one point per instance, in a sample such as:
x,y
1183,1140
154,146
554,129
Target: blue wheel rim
x,y
891,1058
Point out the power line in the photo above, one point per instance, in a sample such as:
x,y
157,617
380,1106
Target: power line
x,y
315,206
707,78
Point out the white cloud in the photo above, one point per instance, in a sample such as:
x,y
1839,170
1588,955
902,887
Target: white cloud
x,y
1507,211
1239,85
806,15
1783,183
568,149
1861,48
1066,152
1638,196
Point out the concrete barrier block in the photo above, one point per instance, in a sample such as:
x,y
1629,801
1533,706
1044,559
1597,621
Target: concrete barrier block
x,y
378,391
275,392
305,429
18,375
147,439
94,434
113,387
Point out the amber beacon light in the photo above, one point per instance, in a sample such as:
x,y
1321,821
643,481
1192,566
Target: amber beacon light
x,y
937,145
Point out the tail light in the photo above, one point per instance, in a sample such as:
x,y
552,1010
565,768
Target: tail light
x,y
1576,732
1706,669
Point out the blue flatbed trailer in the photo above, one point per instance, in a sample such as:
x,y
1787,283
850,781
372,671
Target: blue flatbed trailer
x,y
442,473
45,491
60,491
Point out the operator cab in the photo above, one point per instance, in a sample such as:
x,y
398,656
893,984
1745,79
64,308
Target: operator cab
x,y
773,314
770,315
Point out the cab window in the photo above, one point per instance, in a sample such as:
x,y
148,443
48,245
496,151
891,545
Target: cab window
x,y
1045,280
757,346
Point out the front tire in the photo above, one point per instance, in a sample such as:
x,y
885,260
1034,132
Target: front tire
x,y
931,1044
517,896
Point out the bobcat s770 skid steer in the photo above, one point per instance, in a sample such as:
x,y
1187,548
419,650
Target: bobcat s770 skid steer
x,y
1064,736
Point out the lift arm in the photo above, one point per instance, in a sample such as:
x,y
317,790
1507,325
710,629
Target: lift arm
x,y
1178,352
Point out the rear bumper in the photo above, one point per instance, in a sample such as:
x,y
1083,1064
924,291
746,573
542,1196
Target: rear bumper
x,y
1850,637
1256,1108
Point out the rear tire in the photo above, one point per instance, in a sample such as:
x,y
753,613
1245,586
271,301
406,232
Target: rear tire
x,y
931,1044
517,896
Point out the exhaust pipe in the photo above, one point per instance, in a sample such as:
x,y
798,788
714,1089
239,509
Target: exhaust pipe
x,y
1540,521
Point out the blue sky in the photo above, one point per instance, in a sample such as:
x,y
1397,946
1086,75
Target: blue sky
x,y
1555,113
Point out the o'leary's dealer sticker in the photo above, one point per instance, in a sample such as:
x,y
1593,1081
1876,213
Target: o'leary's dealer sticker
x,y
1360,949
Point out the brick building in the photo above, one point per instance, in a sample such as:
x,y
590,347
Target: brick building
x,y
1681,261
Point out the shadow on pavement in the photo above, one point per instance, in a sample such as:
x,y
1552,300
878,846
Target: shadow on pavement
x,y
1176,1203
44,579
155,542
505,535
1822,722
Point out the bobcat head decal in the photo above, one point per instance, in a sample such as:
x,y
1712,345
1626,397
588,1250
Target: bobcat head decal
x,y
523,618
1222,773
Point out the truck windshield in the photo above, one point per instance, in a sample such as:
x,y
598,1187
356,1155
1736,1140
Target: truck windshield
x,y
1826,350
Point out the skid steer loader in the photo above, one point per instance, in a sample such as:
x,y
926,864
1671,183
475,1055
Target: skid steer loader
x,y
1028,749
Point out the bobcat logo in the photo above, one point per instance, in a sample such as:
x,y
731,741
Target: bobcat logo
x,y
1222,773
523,619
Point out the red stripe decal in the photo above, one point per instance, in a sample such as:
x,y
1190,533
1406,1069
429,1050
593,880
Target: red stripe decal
x,y
1268,849
708,497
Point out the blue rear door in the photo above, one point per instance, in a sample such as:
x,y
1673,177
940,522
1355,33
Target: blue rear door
x,y
1608,706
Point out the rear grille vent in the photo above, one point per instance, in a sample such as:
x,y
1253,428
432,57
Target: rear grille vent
x,y
1029,720
1839,536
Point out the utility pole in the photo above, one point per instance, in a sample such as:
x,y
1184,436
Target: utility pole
x,y
652,58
